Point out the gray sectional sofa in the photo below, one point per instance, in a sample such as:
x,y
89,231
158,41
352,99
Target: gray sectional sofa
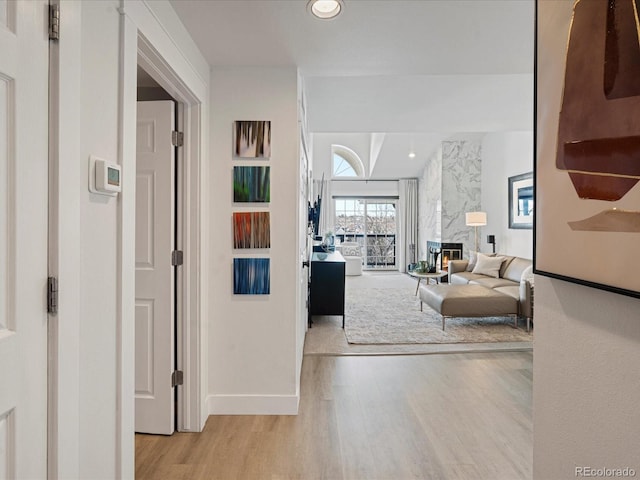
x,y
515,279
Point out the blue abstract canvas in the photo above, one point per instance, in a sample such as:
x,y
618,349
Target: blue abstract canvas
x,y
251,184
251,276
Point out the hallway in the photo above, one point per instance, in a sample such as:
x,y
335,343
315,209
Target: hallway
x,y
445,416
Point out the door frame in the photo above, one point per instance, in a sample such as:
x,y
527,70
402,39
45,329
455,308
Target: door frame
x,y
144,43
63,395
189,122
188,276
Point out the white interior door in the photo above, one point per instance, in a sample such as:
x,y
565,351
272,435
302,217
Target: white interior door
x,y
154,409
24,70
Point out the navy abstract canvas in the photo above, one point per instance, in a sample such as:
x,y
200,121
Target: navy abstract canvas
x,y
251,276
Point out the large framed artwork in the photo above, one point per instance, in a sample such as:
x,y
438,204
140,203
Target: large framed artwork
x,y
587,172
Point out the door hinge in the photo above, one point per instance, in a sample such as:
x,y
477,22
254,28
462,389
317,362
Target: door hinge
x,y
52,295
177,138
177,378
176,258
54,21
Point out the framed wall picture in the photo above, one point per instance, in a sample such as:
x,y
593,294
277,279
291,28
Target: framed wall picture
x,y
251,276
251,230
252,138
521,201
587,171
252,184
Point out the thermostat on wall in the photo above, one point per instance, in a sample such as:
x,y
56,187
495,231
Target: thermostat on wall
x,y
105,178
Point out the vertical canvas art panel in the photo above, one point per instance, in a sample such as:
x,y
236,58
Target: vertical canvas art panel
x,y
251,184
252,139
588,143
251,276
251,230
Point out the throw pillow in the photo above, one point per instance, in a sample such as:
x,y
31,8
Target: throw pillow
x,y
473,259
489,266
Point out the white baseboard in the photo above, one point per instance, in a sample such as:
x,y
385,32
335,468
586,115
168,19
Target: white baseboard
x,y
253,404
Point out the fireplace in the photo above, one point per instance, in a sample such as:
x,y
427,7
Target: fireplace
x,y
439,254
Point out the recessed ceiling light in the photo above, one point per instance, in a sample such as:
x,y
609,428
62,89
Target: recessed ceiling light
x,y
412,155
325,9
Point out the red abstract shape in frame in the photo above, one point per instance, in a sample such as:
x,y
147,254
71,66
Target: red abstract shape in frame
x,y
599,128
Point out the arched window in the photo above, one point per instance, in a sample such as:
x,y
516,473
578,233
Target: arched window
x,y
346,163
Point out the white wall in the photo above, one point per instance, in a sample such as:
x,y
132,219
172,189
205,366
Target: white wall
x,y
504,155
586,387
98,241
252,339
587,341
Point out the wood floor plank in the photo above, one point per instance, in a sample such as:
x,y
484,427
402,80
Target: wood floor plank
x,y
450,416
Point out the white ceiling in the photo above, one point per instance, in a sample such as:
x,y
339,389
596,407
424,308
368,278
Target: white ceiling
x,y
431,68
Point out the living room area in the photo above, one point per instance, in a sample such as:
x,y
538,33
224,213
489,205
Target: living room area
x,y
458,175
397,160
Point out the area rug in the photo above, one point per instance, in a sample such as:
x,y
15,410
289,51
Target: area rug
x,y
376,316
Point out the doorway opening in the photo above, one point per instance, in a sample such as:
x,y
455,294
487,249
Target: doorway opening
x,y
189,279
158,248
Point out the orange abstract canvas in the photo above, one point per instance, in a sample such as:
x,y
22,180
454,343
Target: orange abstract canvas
x,y
251,230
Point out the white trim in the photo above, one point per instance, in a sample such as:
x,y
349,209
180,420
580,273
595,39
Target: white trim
x,y
126,275
63,452
253,404
168,10
150,19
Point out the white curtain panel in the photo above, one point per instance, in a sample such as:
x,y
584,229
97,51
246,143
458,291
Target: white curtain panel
x,y
408,222
326,210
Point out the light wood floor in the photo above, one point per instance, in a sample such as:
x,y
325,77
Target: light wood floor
x,y
443,416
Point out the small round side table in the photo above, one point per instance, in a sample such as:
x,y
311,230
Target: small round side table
x,y
436,276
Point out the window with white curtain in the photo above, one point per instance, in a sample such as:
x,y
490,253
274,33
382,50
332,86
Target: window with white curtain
x,y
372,223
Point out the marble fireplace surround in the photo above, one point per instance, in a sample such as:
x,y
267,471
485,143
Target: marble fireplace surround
x,y
449,187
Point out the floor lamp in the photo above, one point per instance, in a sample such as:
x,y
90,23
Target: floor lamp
x,y
476,219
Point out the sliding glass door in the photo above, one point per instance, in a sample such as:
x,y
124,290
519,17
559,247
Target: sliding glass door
x,y
372,223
